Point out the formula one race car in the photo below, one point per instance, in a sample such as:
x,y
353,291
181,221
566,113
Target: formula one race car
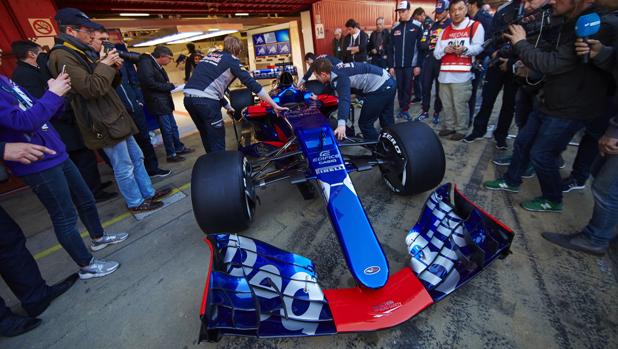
x,y
256,289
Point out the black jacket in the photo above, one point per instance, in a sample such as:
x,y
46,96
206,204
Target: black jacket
x,y
404,45
379,41
338,48
572,90
156,86
361,41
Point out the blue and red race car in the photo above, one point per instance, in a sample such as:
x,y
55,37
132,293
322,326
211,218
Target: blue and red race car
x,y
253,288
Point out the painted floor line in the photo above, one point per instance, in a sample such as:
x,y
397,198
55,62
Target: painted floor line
x,y
55,248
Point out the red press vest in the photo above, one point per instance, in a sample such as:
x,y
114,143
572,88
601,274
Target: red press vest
x,y
450,62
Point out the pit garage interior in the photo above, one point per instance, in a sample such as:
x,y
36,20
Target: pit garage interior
x,y
540,296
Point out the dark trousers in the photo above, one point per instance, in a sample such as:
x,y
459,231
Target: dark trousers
x,y
62,189
17,266
86,163
588,149
206,114
379,104
495,80
143,140
418,91
478,76
526,101
541,142
429,75
404,87
378,61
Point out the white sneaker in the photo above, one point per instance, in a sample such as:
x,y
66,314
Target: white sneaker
x,y
108,239
98,268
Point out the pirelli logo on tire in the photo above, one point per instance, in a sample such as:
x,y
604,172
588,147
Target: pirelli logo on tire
x,y
393,141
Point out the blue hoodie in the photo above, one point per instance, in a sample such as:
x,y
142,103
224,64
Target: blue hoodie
x,y
30,125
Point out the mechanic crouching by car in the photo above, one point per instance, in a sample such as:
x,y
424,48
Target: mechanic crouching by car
x,y
204,92
375,85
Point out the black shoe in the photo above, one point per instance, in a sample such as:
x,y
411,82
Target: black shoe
x,y
105,185
570,184
160,173
176,158
14,325
102,196
576,242
54,292
472,137
186,150
501,144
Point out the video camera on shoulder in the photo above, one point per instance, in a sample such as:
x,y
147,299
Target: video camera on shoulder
x,y
128,56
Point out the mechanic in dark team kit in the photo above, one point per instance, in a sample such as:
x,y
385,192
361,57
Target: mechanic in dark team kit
x,y
204,92
403,56
431,66
373,83
310,57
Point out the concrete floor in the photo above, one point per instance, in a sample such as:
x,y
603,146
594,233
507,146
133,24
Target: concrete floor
x,y
539,297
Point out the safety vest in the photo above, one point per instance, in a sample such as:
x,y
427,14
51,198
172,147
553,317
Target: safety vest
x,y
458,37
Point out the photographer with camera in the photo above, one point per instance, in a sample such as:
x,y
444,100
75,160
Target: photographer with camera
x,y
574,94
102,118
596,236
499,77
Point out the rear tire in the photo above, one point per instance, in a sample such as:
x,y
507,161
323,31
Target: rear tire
x,y
413,156
222,192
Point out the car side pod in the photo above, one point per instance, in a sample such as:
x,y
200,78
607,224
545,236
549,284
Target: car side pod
x,y
255,289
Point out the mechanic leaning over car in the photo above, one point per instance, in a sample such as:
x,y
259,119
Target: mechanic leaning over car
x,y
204,92
372,82
310,57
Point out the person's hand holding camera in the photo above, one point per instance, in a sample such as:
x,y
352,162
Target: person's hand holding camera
x,y
517,33
449,49
589,46
110,58
60,85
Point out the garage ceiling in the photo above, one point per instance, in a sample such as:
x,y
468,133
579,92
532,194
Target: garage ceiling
x,y
188,7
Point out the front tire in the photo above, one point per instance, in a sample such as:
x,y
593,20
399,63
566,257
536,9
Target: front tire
x,y
413,158
222,192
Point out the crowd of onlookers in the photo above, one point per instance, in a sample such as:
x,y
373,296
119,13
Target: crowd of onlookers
x,y
65,108
547,85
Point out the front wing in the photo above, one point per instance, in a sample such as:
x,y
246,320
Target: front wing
x,y
255,289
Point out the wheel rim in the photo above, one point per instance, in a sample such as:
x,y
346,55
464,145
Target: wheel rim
x,y
393,166
248,191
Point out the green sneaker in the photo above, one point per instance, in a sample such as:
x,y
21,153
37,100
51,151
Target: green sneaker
x,y
542,205
500,184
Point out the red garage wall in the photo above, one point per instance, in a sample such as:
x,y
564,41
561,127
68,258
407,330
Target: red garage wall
x,y
14,25
334,13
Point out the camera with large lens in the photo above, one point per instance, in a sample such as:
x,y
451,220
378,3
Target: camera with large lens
x,y
132,57
532,23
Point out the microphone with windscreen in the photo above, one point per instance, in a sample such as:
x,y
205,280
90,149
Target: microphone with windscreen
x,y
586,26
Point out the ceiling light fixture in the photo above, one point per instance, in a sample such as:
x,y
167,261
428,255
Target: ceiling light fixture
x,y
134,14
241,14
202,37
168,38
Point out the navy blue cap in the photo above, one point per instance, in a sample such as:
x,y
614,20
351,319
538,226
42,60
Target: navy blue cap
x,y
441,6
73,16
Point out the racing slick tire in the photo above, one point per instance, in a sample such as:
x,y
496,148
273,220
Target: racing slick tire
x,y
222,192
239,100
412,157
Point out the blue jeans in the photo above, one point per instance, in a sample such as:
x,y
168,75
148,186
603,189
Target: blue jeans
x,y
131,176
206,114
17,266
541,142
170,135
602,226
62,189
